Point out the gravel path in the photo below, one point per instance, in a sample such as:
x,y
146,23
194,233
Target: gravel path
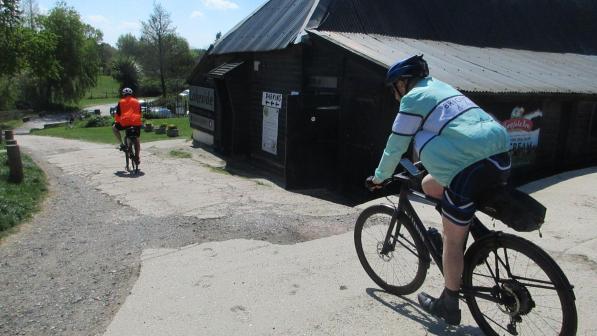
x,y
68,270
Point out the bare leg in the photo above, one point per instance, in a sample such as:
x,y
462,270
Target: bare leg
x,y
453,256
431,187
446,306
117,134
453,237
138,149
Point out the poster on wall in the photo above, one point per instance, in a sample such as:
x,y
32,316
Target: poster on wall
x,y
523,127
269,135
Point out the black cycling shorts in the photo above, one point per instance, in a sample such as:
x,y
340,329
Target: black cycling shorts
x,y
135,129
458,202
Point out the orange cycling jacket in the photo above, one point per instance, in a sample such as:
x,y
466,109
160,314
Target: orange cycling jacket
x,y
128,112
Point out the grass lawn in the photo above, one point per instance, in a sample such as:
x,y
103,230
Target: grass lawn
x,y
19,201
10,124
104,92
86,102
104,134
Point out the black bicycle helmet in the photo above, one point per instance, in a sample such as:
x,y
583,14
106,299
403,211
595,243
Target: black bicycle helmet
x,y
412,67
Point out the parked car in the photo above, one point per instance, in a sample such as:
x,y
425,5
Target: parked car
x,y
159,112
143,105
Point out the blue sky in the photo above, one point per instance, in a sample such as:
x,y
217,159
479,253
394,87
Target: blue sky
x,y
198,21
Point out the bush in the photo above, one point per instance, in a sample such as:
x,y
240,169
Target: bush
x,y
98,121
149,88
7,93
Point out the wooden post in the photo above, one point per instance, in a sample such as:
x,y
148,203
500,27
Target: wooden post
x,y
8,135
15,164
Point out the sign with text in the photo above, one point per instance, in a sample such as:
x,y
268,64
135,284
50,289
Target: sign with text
x,y
272,99
269,134
202,97
524,128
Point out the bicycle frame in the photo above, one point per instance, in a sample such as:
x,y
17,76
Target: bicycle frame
x,y
490,274
129,155
405,208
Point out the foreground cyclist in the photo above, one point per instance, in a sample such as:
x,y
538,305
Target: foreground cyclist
x,y
465,152
128,114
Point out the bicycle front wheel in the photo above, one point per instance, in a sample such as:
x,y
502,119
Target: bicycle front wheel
x,y
132,155
525,291
396,262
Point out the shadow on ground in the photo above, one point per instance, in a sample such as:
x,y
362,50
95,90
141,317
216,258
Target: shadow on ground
x,y
125,174
408,308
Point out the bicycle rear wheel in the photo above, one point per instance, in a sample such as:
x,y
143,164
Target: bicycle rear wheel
x,y
403,267
526,291
132,155
127,154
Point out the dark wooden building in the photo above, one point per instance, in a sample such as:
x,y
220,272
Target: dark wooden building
x,y
297,87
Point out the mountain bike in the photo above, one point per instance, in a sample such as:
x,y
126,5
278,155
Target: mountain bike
x,y
130,153
511,286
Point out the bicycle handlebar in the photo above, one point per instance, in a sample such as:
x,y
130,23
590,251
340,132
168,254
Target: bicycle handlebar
x,y
413,173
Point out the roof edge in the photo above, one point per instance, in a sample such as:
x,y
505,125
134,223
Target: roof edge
x,y
327,38
233,29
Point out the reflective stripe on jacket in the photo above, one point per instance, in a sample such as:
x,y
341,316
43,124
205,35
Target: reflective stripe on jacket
x,y
450,132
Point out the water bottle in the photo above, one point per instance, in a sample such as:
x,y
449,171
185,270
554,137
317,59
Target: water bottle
x,y
436,239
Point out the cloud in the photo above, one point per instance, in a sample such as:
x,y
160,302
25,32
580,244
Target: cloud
x,y
196,14
219,4
97,19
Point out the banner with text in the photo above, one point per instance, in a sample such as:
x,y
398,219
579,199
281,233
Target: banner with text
x,y
524,128
202,97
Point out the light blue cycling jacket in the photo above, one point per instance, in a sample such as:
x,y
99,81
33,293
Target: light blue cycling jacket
x,y
450,132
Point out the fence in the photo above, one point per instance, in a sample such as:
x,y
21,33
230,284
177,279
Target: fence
x,y
167,107
104,94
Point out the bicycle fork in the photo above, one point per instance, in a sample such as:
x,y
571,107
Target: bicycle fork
x,y
389,244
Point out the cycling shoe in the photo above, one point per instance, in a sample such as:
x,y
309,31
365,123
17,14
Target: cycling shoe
x,y
437,308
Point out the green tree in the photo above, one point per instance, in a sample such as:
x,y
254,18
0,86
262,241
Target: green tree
x,y
179,60
197,54
156,32
107,55
128,45
127,72
77,52
40,67
10,21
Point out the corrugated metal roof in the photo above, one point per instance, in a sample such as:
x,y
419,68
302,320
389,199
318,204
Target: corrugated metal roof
x,y
476,69
273,26
540,25
223,69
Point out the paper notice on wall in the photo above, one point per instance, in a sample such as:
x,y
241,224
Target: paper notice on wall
x,y
269,135
272,99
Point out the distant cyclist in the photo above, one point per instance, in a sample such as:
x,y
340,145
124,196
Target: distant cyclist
x,y
128,114
465,152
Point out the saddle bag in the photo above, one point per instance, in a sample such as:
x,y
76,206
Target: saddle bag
x,y
514,208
